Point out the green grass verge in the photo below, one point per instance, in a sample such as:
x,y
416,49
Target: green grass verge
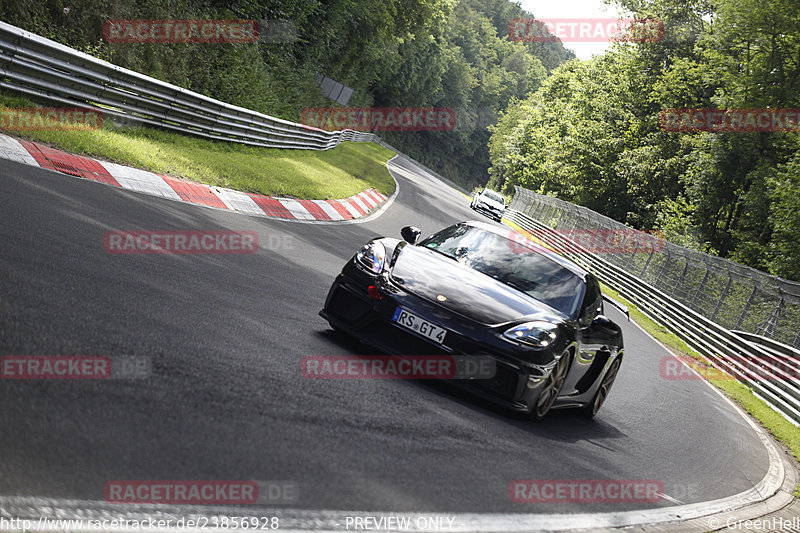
x,y
311,174
783,430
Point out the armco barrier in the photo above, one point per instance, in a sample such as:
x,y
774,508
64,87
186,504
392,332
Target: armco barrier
x,y
49,71
732,295
751,359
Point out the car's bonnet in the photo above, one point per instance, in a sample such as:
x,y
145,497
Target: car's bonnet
x,y
479,297
488,201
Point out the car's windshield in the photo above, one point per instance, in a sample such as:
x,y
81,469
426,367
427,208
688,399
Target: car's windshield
x,y
512,263
493,195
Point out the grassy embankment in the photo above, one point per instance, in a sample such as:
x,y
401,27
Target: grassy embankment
x,y
311,174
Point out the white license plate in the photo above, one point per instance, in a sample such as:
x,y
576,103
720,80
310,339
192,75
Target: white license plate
x,y
419,325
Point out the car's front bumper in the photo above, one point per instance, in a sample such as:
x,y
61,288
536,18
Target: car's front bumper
x,y
489,212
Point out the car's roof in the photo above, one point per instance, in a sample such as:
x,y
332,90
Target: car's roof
x,y
503,232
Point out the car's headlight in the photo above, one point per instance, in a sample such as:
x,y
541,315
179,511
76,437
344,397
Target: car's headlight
x,y
537,333
372,256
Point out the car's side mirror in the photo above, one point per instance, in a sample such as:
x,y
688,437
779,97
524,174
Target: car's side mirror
x,y
587,317
410,234
591,312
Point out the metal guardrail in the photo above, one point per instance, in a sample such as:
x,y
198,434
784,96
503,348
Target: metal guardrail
x,y
49,71
769,368
772,344
734,296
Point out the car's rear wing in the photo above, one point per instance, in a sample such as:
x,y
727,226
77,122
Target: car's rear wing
x,y
618,305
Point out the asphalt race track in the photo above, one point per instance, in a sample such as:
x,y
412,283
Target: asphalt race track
x,y
226,399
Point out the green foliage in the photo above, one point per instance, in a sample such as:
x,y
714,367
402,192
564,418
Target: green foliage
x,y
784,188
591,132
570,136
470,65
674,221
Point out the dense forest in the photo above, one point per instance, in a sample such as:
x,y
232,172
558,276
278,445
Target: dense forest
x,y
591,132
404,53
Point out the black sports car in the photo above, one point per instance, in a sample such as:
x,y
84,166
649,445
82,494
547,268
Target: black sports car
x,y
474,290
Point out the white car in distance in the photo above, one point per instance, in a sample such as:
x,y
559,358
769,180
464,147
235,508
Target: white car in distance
x,y
490,203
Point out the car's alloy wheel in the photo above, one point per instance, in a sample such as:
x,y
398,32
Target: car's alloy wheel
x,y
590,410
552,386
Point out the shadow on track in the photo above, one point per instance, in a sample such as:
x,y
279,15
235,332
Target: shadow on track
x,y
561,425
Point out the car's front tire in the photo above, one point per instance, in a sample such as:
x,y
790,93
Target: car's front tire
x,y
552,386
